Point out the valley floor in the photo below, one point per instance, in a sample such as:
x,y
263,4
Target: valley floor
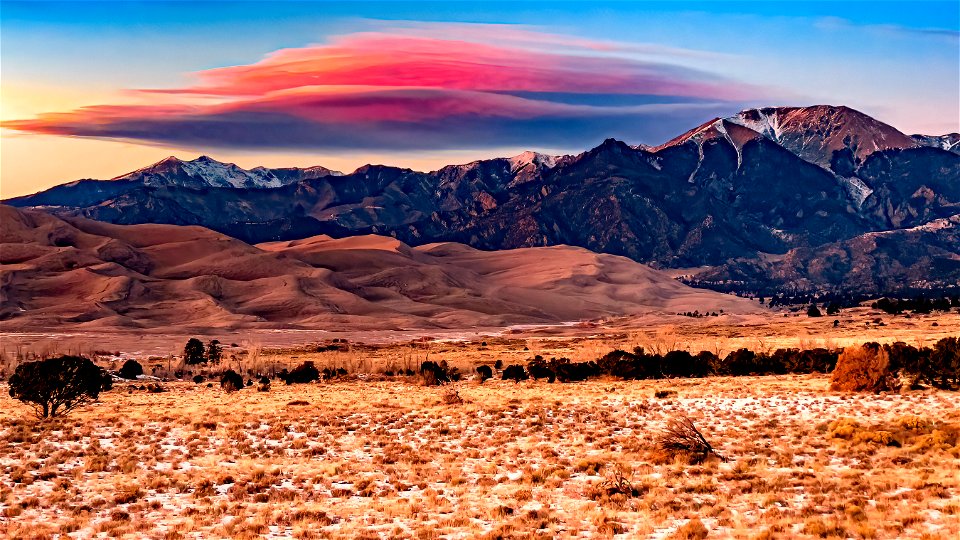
x,y
381,458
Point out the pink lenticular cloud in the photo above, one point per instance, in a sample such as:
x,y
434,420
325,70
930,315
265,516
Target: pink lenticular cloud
x,y
388,90
378,59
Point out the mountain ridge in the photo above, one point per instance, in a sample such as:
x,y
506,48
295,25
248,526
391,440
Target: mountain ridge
x,y
797,179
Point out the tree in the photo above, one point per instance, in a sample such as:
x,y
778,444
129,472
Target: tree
x,y
214,352
56,386
193,352
945,363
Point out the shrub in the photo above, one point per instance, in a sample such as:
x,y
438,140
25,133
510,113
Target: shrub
x,y
516,373
814,311
864,369
264,385
485,373
231,381
691,530
682,436
434,374
684,364
619,484
304,373
843,428
131,369
814,361
742,362
576,371
198,379
538,369
193,352
56,386
451,397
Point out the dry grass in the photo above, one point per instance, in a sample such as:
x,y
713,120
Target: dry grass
x,y
390,458
376,456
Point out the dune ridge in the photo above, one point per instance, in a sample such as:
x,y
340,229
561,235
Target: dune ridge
x,y
89,275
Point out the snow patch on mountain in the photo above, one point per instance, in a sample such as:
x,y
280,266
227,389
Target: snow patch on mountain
x,y
759,120
949,142
208,172
536,159
856,188
218,174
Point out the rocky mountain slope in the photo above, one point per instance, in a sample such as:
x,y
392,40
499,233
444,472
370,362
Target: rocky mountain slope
x,y
760,183
83,274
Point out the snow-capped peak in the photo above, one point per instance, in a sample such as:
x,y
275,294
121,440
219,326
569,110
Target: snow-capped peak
x,y
536,159
205,171
814,133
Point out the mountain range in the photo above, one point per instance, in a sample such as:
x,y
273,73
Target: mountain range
x,y
820,198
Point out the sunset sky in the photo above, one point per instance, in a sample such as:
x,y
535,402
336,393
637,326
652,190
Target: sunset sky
x,y
94,90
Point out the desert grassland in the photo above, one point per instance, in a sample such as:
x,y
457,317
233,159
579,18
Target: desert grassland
x,y
380,458
590,341
375,351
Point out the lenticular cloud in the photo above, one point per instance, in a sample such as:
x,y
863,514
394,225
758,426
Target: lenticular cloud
x,y
420,90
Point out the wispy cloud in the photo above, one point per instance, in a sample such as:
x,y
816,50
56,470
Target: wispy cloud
x,y
422,87
838,23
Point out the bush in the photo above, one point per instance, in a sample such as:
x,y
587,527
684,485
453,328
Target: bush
x,y
567,371
435,374
451,397
538,369
231,381
814,311
516,373
131,370
864,369
684,364
56,386
264,385
304,373
485,372
742,362
681,436
193,352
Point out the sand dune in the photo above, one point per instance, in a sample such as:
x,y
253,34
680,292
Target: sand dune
x,y
83,274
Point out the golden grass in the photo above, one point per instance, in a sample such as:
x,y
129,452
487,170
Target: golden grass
x,y
389,458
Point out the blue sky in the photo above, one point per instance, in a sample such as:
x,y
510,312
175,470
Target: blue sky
x,y
897,61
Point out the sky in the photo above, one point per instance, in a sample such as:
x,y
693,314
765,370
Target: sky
x,y
97,89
